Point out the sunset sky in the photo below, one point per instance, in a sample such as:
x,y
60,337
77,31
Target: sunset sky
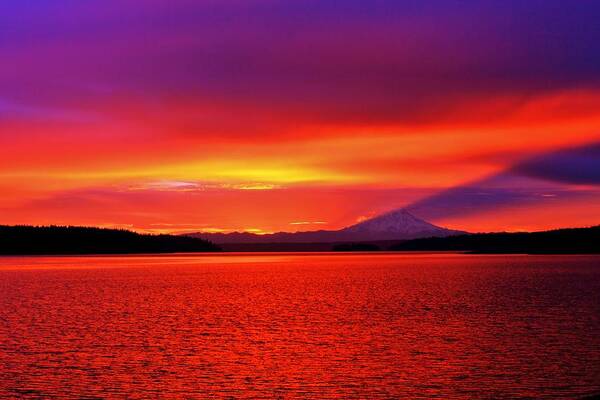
x,y
264,115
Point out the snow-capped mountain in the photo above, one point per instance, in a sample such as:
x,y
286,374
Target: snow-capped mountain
x,y
397,224
394,225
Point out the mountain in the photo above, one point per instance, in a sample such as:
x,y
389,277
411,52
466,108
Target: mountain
x,y
398,224
395,225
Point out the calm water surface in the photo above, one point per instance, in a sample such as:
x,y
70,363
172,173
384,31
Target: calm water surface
x,y
300,326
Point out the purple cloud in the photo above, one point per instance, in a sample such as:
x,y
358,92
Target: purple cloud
x,y
579,165
356,60
536,181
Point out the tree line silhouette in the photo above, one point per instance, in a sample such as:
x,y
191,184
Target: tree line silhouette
x,y
355,247
560,241
38,240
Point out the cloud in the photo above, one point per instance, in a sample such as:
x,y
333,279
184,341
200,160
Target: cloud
x,y
376,61
579,165
534,182
14,110
249,186
188,186
166,185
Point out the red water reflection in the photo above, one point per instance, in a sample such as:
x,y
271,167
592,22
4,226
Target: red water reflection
x,y
300,326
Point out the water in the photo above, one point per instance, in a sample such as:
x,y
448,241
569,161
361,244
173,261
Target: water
x,y
300,326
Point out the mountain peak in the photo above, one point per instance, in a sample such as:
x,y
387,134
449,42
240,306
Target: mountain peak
x,y
396,221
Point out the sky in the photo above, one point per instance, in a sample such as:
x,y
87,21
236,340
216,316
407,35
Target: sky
x,y
264,115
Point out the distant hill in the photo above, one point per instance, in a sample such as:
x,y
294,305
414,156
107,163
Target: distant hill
x,y
395,225
561,241
34,240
